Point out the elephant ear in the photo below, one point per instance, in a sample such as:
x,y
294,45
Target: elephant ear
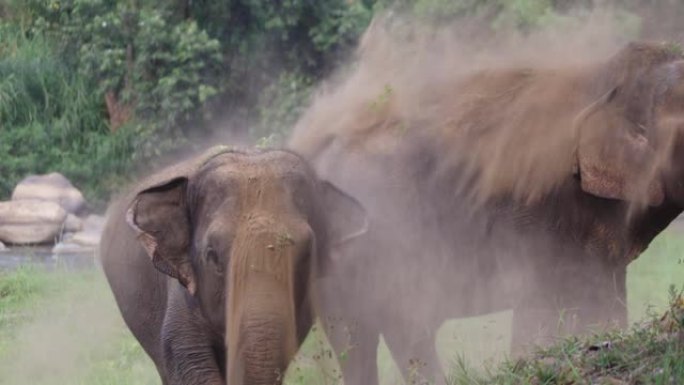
x,y
347,218
615,157
159,216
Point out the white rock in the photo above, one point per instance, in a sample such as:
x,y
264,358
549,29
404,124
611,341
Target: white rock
x,y
86,238
53,187
73,224
30,221
94,223
2,247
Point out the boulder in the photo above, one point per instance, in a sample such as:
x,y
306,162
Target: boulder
x,y
53,187
30,221
89,236
86,238
72,224
2,247
94,223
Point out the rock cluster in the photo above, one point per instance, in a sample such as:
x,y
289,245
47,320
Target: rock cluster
x,y
30,221
53,187
48,209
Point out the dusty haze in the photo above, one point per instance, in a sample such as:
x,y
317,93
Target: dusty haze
x,y
411,77
367,124
403,77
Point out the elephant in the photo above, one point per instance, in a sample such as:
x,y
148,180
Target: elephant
x,y
213,261
519,188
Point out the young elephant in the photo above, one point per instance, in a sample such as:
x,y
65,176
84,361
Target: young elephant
x,y
212,262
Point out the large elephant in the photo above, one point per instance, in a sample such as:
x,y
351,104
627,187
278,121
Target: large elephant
x,y
524,188
212,262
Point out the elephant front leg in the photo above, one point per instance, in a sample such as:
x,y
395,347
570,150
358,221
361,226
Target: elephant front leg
x,y
193,365
356,345
190,361
569,300
190,355
415,354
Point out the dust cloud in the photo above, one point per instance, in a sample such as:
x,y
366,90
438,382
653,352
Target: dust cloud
x,y
371,130
403,80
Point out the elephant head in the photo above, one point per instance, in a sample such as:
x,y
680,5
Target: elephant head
x,y
631,138
245,233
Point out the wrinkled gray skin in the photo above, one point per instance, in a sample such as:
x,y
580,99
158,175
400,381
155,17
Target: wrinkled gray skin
x,y
559,261
212,263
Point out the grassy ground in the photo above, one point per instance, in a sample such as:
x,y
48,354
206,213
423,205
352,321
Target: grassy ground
x,y
63,328
484,340
650,353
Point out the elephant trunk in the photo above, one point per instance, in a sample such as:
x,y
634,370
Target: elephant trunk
x,y
261,329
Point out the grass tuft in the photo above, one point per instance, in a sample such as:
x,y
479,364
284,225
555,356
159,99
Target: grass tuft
x,y
651,352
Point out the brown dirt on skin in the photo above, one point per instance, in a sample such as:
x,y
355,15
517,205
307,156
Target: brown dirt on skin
x,y
263,258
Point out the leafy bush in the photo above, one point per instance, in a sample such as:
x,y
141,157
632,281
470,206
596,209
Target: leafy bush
x,y
163,72
280,106
275,51
50,121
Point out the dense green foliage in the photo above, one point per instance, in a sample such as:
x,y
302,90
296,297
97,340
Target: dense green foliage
x,y
91,88
49,119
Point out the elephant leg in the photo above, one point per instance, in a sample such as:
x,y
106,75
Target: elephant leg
x,y
189,357
415,354
356,346
140,293
190,360
570,300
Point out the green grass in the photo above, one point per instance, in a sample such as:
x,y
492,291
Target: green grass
x,y
650,276
649,353
483,341
19,293
64,328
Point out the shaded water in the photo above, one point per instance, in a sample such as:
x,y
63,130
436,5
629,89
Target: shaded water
x,y
15,257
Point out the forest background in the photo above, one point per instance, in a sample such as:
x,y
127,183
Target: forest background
x,y
100,90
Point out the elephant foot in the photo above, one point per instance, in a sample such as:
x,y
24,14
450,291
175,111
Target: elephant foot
x,y
417,359
534,328
356,349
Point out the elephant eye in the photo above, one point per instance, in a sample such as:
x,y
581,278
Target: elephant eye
x,y
637,127
641,129
212,257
